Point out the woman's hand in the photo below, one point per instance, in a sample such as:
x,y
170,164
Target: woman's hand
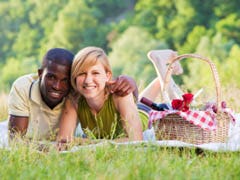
x,y
62,145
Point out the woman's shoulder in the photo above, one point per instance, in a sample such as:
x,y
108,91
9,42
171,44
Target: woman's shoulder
x,y
123,100
126,97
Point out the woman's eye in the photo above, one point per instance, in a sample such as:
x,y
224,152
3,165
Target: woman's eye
x,y
96,73
81,74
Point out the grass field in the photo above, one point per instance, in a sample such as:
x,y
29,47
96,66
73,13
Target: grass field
x,y
118,162
3,106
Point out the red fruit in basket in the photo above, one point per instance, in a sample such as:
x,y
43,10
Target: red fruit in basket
x,y
188,97
185,108
224,104
214,108
182,105
177,104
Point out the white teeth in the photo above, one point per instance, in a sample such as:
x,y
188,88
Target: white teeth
x,y
89,87
55,94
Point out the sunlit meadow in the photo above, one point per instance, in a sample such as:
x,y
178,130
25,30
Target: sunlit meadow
x,y
110,161
3,107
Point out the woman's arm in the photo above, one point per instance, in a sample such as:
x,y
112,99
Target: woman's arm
x,y
130,117
68,122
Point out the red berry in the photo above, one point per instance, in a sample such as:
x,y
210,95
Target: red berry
x,y
214,108
224,104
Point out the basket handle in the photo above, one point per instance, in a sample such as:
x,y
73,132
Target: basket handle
x,y
196,56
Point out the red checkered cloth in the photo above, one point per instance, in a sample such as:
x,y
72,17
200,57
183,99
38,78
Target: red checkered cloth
x,y
204,119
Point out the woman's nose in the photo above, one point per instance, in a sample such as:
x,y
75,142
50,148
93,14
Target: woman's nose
x,y
88,78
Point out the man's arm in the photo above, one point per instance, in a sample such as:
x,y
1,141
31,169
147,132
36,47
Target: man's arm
x,y
18,105
124,85
17,125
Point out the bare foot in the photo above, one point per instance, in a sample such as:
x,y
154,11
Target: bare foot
x,y
160,60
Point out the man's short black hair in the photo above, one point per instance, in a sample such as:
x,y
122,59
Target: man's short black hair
x,y
59,56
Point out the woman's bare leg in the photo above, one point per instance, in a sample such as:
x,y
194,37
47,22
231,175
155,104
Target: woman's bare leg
x,y
152,91
160,60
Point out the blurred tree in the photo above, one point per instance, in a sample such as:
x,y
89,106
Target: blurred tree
x,y
108,9
223,8
15,68
148,13
230,27
210,28
25,42
230,70
22,23
129,55
199,75
193,39
13,14
179,18
75,26
217,50
42,18
23,26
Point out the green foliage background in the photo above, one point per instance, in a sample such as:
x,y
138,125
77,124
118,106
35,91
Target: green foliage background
x,y
127,30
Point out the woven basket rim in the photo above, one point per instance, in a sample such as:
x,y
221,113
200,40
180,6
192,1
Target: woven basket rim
x,y
199,57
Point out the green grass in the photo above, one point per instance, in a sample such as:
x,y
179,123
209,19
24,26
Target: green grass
x,y
3,107
119,162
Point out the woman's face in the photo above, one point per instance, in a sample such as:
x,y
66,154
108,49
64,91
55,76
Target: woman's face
x,y
92,81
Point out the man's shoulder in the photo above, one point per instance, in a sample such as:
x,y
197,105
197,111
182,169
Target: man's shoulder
x,y
19,95
25,80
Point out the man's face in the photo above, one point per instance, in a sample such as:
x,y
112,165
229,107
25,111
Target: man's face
x,y
54,83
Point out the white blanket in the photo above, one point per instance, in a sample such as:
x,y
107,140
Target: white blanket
x,y
233,143
216,147
3,134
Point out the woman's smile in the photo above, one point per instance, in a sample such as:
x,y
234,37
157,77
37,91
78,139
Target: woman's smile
x,y
89,87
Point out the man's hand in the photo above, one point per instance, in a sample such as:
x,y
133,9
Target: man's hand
x,y
123,85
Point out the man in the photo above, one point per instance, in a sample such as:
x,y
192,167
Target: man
x,y
36,101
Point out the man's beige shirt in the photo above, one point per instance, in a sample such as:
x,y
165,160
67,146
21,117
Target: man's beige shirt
x,y
25,100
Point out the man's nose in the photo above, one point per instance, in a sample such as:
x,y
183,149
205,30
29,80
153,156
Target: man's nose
x,y
57,85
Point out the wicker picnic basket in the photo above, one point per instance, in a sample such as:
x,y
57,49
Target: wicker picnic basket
x,y
174,127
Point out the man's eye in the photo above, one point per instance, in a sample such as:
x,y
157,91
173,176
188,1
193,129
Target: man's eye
x,y
51,77
65,80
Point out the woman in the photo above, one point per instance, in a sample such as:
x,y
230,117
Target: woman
x,y
101,114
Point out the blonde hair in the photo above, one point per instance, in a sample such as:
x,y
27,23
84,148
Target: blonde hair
x,y
85,58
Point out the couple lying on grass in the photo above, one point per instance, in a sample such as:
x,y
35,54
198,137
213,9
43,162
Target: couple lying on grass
x,y
39,106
